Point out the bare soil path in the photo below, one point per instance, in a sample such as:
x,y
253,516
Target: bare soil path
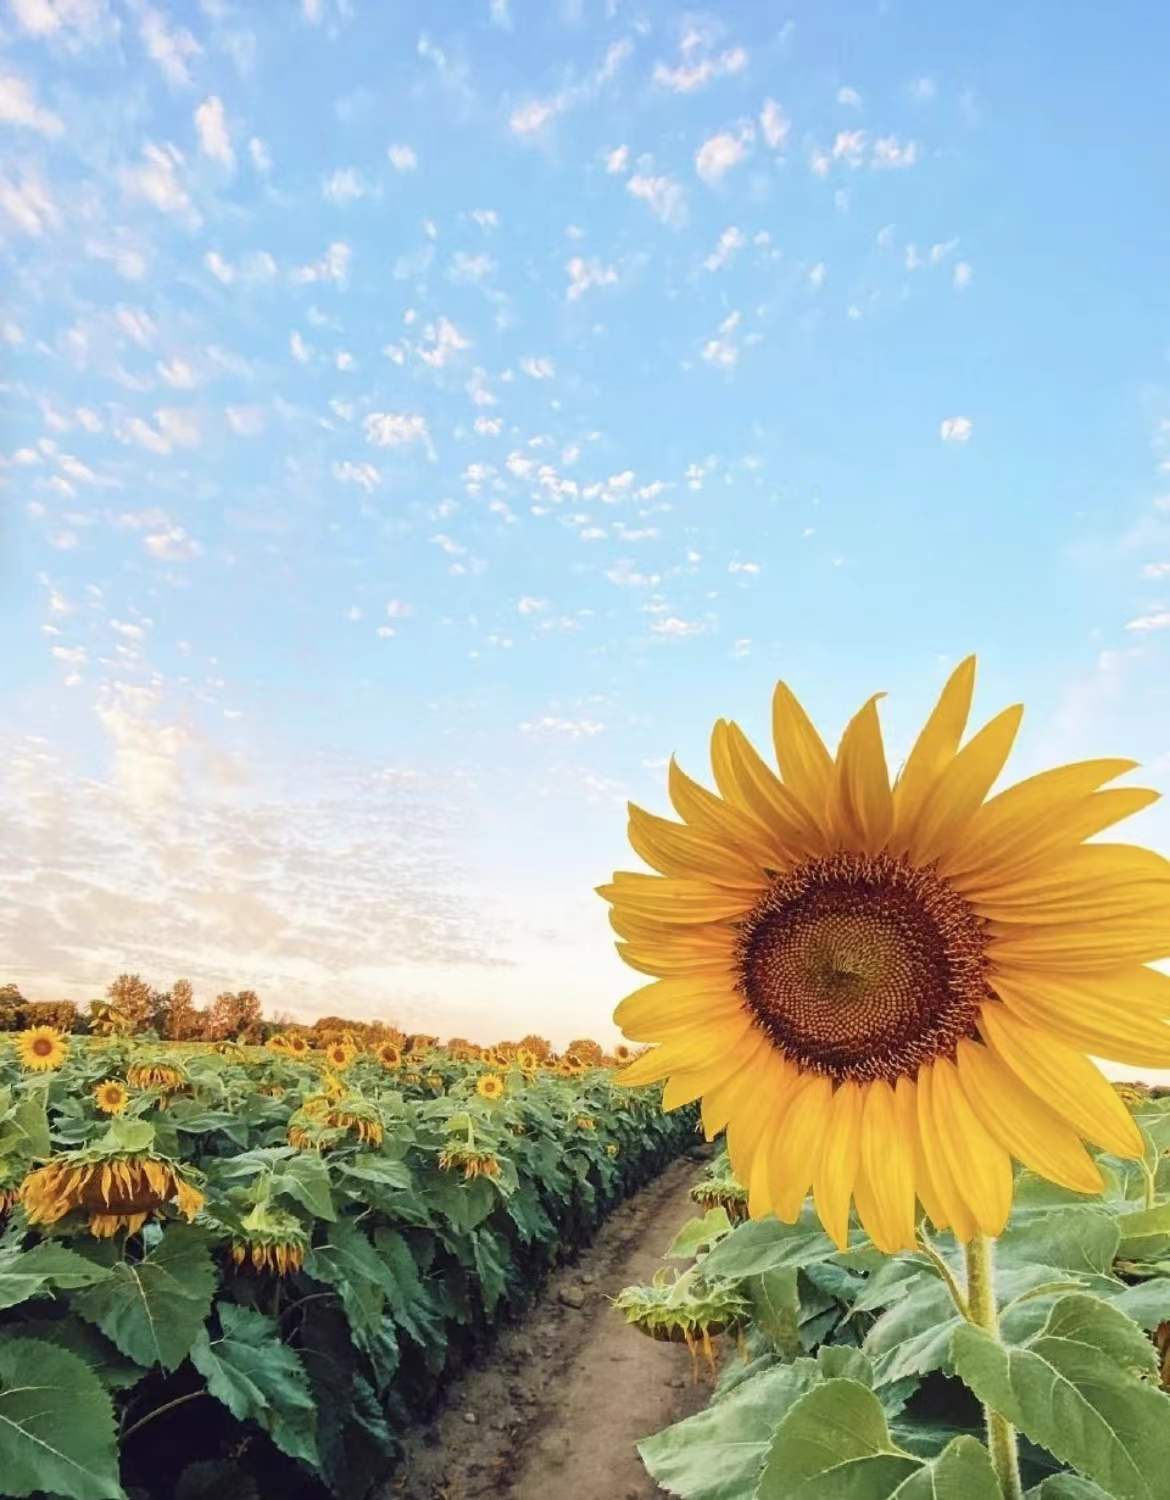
x,y
555,1412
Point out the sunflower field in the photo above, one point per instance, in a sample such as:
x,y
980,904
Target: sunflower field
x,y
850,1373
223,1264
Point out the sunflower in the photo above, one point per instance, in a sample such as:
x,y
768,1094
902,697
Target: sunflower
x,y
526,1061
473,1161
277,1043
118,1189
339,1055
586,1122
490,1086
41,1048
164,1076
888,993
622,1054
296,1046
270,1240
612,1148
389,1055
111,1097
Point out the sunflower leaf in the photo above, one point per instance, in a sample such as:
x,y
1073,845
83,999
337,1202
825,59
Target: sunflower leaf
x,y
1070,1388
767,1245
56,1425
152,1309
258,1378
27,1273
1067,1487
835,1436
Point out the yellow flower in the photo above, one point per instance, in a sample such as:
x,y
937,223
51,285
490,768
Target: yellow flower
x,y
586,1122
490,1086
389,1055
339,1055
111,1097
888,993
41,1048
622,1053
527,1061
117,1190
474,1161
167,1077
272,1240
296,1045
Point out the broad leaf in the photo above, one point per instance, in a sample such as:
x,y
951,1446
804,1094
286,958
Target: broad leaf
x,y
259,1378
1146,1234
57,1431
776,1309
835,1436
699,1233
1067,1487
760,1245
305,1179
154,1308
26,1273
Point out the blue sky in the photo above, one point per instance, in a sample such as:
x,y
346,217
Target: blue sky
x,y
419,421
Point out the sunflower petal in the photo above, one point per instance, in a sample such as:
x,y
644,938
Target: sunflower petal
x,y
979,1164
773,803
933,751
710,815
887,1171
685,1088
960,789
1121,1016
1091,880
677,902
676,849
805,763
1022,1123
1085,946
669,1004
805,1124
952,1204
837,1162
1063,1079
863,805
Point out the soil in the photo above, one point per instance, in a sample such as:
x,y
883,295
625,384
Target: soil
x,y
565,1395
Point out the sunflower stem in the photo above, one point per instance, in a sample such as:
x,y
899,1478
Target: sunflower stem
x,y
1001,1435
944,1271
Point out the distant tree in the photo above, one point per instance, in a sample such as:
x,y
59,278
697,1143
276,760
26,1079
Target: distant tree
x,y
182,1022
59,1013
232,1013
12,1004
134,1000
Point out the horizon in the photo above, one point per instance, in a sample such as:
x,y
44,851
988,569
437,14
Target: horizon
x,y
418,427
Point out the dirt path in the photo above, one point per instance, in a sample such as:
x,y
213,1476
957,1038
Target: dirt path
x,y
564,1396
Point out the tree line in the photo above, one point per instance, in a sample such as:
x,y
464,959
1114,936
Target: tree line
x,y
132,1007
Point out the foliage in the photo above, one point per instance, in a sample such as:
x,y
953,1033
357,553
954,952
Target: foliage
x,y
863,1378
322,1295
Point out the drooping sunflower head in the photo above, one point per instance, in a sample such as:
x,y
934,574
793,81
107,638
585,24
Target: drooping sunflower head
x,y
389,1055
586,1122
278,1043
166,1077
41,1048
270,1240
490,1086
111,1096
886,992
527,1061
472,1161
118,1189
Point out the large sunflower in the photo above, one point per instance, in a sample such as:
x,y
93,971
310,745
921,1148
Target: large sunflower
x,y
887,993
41,1048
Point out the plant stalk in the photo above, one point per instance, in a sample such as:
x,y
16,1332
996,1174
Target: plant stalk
x,y
1001,1435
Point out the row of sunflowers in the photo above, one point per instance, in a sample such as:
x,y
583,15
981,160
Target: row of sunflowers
x,y
847,1372
257,1265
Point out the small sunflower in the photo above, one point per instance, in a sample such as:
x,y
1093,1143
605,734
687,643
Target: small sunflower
x,y
118,1189
277,1043
472,1161
490,1086
612,1148
339,1055
586,1122
41,1048
888,992
296,1045
622,1054
166,1077
389,1055
526,1061
270,1240
111,1097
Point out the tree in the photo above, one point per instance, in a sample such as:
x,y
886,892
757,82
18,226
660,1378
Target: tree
x,y
182,1022
230,1014
12,1004
133,1000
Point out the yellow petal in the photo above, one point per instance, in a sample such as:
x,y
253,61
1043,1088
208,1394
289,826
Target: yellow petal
x,y
670,1004
1063,1079
886,1203
805,764
684,965
1092,880
710,815
933,751
761,792
760,1111
1022,1123
676,849
1084,947
700,1048
956,1214
980,1167
837,1162
685,1088
1121,1016
863,810
805,1125
960,788
672,900
711,938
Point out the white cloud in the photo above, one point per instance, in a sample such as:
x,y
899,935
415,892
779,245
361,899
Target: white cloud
x,y
298,348
178,424
157,180
345,185
889,152
666,198
584,274
530,118
389,429
923,88
488,426
246,421
172,50
849,97
719,154
172,545
402,158
71,21
774,125
731,240
618,159
677,629
130,263
364,475
442,341
538,369
219,267
137,325
1156,570
849,147
178,374
333,266
259,154
573,729
28,203
722,350
688,76
1158,620
471,268
531,606
137,430
18,106
817,274
962,274
956,429
214,137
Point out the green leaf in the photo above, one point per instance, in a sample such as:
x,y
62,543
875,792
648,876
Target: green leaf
x,y
834,1442
1104,1326
776,1309
767,1245
1148,1303
305,1179
1066,1391
717,1454
1144,1235
32,1120
697,1234
258,1378
154,1308
57,1430
26,1273
128,1134
1067,1487
1071,1238
349,1263
962,1471
913,1337
112,1368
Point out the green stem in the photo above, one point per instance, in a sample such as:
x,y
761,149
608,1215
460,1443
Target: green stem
x,y
1001,1435
159,1410
944,1271
1151,1184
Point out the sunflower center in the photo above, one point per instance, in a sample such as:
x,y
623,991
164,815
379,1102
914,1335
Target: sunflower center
x,y
42,1046
863,966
